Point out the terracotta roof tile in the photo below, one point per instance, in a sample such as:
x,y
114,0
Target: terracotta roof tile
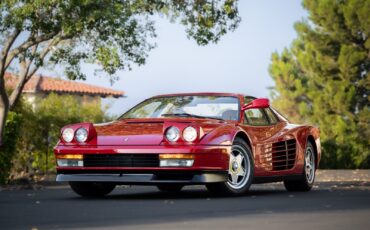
x,y
11,81
50,84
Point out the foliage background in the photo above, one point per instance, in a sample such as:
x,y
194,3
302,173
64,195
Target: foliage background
x,y
13,124
323,78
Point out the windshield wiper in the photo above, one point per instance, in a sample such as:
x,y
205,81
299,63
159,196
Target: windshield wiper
x,y
188,115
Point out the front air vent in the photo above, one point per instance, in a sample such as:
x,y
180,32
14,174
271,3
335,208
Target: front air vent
x,y
121,160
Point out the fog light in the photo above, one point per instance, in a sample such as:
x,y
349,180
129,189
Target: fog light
x,y
176,163
70,163
70,160
176,160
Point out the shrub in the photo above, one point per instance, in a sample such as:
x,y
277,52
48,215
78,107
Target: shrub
x,y
41,131
12,128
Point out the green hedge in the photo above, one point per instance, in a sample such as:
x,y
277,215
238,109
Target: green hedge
x,y
12,127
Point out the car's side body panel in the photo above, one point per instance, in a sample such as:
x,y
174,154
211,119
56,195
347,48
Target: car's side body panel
x,y
268,148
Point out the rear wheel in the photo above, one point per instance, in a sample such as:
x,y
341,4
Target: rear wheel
x,y
170,187
308,177
92,189
240,174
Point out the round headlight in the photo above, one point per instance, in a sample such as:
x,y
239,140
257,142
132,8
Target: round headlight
x,y
189,134
172,134
81,135
67,135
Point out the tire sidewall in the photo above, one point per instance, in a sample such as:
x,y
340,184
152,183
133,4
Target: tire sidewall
x,y
170,187
247,153
309,146
91,189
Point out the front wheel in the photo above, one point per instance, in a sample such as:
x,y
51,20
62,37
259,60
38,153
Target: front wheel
x,y
308,177
91,189
240,174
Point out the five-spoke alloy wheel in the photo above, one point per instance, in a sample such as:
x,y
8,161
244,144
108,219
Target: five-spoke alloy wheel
x,y
240,173
239,168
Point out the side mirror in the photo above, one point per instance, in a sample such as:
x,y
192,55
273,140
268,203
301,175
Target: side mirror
x,y
259,103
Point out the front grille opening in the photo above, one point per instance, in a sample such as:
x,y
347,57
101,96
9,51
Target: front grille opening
x,y
121,160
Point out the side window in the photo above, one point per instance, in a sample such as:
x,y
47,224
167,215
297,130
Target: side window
x,y
272,117
256,117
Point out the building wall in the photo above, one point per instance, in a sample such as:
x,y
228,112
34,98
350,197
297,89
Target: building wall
x,y
88,99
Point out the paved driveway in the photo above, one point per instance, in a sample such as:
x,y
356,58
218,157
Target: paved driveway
x,y
331,205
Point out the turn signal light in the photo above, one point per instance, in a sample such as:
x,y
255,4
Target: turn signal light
x,y
176,156
70,160
71,156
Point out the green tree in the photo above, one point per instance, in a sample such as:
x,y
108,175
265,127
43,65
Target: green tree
x,y
324,78
111,33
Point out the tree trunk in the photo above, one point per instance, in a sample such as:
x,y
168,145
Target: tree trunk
x,y
4,108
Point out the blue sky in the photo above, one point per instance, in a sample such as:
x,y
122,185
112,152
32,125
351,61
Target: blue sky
x,y
238,63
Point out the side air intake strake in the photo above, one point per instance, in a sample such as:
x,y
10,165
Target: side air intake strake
x,y
279,155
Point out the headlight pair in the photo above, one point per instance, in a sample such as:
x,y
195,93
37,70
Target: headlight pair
x,y
80,134
189,134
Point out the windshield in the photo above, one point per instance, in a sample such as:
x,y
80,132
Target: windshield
x,y
214,107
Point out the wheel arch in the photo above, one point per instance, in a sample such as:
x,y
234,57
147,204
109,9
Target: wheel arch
x,y
242,135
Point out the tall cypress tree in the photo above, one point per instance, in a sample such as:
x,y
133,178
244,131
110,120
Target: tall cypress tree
x,y
324,78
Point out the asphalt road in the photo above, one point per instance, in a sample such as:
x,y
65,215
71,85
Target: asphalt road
x,y
328,206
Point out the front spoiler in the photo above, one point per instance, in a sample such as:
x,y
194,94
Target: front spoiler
x,y
133,179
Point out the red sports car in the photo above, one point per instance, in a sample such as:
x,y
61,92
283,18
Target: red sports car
x,y
224,141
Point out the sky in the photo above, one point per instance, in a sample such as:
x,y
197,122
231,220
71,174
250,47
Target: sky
x,y
238,63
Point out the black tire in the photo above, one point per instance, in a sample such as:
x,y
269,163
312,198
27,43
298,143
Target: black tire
x,y
225,188
304,184
170,187
92,189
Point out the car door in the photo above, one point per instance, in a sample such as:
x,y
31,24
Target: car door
x,y
278,153
273,151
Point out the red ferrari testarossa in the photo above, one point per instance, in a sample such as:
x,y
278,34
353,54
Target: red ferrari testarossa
x,y
222,140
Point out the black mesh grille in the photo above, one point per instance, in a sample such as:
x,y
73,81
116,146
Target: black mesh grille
x,y
121,160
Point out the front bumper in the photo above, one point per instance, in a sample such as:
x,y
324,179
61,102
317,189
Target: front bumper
x,y
148,179
210,165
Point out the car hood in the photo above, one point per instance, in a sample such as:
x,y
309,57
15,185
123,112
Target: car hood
x,y
145,131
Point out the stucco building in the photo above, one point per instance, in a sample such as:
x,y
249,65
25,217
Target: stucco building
x,y
40,86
